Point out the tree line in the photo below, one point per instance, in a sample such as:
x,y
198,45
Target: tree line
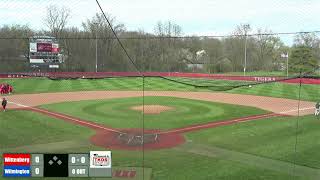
x,y
164,50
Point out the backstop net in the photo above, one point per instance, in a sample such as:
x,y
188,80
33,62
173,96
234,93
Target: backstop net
x,y
168,104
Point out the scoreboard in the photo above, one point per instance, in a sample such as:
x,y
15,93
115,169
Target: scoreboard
x,y
93,164
44,50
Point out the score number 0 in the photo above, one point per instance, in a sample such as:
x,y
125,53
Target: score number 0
x,y
83,160
37,170
78,171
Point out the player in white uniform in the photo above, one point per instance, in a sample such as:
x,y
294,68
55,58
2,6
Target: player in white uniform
x,y
317,110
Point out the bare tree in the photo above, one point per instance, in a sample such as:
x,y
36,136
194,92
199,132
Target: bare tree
x,y
266,47
307,39
56,19
167,47
242,30
98,27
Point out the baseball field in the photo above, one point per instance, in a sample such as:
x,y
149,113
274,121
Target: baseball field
x,y
166,130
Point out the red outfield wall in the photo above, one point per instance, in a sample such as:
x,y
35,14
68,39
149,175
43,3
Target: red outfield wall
x,y
164,74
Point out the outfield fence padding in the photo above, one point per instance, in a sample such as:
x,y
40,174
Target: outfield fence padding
x,y
304,80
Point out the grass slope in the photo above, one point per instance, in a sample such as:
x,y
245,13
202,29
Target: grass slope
x,y
176,165
273,138
20,128
265,138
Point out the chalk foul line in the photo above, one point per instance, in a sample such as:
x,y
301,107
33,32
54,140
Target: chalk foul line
x,y
178,130
65,117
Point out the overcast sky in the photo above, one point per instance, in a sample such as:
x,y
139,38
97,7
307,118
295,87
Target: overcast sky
x,y
196,17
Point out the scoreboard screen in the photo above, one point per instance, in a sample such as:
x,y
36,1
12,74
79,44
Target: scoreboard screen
x,y
43,44
93,164
44,47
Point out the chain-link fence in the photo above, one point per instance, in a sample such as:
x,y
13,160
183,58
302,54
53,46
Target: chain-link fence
x,y
239,105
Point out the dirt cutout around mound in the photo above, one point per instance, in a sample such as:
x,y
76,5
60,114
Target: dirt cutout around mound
x,y
152,109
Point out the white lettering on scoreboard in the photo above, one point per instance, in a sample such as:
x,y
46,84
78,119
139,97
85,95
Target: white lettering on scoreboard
x,y
53,66
36,61
33,47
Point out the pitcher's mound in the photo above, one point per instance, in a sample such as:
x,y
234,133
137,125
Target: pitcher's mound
x,y
152,109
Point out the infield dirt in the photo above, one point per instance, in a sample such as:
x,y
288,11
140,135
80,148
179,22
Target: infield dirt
x,y
275,105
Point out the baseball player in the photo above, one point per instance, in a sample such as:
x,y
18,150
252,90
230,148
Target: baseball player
x,y
1,89
317,110
4,104
10,89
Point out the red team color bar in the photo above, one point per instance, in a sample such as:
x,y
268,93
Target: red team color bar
x,y
16,159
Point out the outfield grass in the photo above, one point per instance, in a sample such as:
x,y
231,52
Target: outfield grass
x,y
117,113
42,85
208,82
309,92
261,73
283,90
268,73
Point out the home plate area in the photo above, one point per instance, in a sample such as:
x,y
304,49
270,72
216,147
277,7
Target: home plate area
x,y
137,139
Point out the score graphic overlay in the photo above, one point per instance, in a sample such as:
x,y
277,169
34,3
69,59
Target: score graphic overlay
x,y
100,164
78,165
16,165
55,165
95,164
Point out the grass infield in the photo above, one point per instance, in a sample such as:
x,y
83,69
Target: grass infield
x,y
117,113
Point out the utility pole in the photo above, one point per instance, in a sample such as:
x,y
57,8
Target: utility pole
x,y
286,55
246,29
96,26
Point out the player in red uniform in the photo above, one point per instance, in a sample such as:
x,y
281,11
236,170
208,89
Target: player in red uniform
x,y
1,89
10,89
5,88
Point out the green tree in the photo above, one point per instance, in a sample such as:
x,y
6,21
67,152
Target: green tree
x,y
302,60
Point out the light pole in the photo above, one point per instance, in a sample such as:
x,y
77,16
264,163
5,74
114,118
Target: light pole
x,y
96,26
286,55
246,28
